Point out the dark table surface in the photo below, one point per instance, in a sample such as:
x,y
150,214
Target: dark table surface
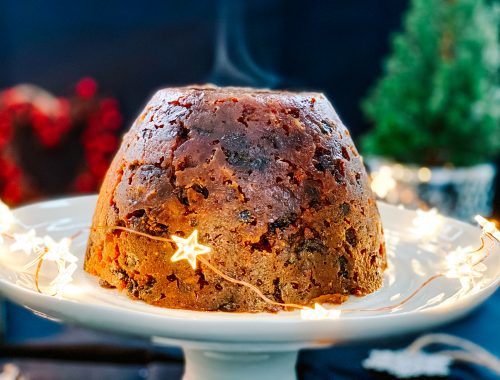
x,y
45,350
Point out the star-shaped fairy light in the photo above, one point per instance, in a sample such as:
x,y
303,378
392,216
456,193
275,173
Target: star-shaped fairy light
x,y
427,224
188,249
319,312
463,265
488,227
63,278
26,242
58,251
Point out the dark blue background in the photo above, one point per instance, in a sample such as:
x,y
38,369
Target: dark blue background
x,y
133,48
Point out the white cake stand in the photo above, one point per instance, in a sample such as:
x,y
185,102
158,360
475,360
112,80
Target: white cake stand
x,y
260,346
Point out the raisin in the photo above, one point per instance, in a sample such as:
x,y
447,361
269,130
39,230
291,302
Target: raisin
x,y
150,282
277,290
247,111
136,214
313,193
282,223
142,221
201,190
326,129
338,170
183,132
241,153
350,236
245,160
242,120
133,287
322,159
312,245
201,278
262,245
236,142
245,216
344,272
182,197
345,208
121,274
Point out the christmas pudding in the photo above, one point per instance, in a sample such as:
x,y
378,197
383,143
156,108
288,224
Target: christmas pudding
x,y
268,181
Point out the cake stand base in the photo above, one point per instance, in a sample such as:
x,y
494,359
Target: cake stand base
x,y
220,365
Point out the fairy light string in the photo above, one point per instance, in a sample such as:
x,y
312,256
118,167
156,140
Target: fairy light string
x,y
189,249
426,224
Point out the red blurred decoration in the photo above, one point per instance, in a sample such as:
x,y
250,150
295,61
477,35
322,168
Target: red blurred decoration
x,y
83,120
86,88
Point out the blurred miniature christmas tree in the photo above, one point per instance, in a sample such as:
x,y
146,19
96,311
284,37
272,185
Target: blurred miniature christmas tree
x,y
439,99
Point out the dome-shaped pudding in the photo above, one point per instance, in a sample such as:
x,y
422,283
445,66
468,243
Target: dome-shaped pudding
x,y
271,181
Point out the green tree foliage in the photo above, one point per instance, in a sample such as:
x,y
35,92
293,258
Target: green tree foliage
x,y
439,99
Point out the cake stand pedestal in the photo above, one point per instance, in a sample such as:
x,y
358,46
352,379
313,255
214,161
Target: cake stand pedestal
x,y
218,365
228,361
259,346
